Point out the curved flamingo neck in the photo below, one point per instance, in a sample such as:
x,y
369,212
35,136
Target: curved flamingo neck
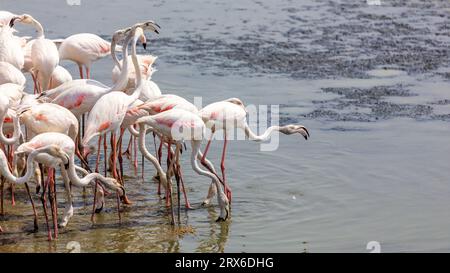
x,y
194,163
265,136
4,169
73,176
137,69
146,153
39,28
16,134
121,84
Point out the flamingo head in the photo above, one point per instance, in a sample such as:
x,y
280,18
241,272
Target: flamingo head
x,y
149,25
88,149
26,19
294,129
236,101
113,184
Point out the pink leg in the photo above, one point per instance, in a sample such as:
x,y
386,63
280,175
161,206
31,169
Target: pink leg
x,y
135,155
88,73
168,193
36,226
188,205
114,169
222,167
119,154
34,83
159,160
96,182
2,212
10,156
105,155
52,192
80,68
44,204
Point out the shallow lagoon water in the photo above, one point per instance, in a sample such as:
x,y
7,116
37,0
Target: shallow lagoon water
x,y
375,168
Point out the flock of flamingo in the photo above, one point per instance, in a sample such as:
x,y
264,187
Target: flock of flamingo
x,y
65,120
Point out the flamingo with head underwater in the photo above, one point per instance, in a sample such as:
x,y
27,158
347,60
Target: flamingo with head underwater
x,y
175,126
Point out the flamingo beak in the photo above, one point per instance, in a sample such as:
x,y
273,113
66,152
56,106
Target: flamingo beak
x,y
144,45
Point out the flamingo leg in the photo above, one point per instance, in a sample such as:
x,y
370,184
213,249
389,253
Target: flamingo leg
x,y
2,183
128,150
159,160
88,72
170,164
80,68
52,198
34,83
177,176
187,204
168,193
96,182
50,82
125,199
222,166
44,204
105,155
13,186
36,226
119,155
135,155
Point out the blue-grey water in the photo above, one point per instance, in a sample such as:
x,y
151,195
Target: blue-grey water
x,y
371,83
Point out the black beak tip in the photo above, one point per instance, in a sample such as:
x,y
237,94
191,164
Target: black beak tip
x,y
156,31
144,45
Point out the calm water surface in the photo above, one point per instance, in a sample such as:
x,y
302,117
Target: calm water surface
x,y
370,83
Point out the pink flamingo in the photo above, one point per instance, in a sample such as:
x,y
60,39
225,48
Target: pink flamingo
x,y
6,173
110,110
64,158
84,49
175,126
226,115
44,54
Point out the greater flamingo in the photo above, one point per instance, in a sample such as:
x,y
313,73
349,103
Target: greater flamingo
x,y
229,114
110,110
44,54
175,126
84,49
